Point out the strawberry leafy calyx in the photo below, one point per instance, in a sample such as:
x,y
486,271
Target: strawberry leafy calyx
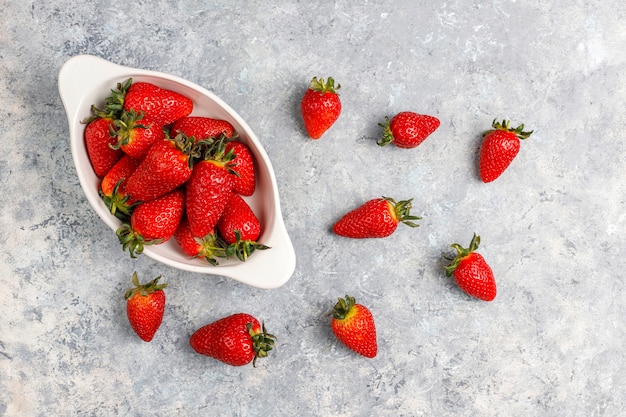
x,y
114,104
505,126
124,126
262,342
117,203
210,248
321,86
144,289
343,307
214,150
243,248
402,211
462,253
133,241
387,136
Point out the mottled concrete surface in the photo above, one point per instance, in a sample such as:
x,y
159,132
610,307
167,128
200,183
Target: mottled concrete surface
x,y
552,227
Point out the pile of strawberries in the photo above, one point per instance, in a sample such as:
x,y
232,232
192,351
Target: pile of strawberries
x,y
167,174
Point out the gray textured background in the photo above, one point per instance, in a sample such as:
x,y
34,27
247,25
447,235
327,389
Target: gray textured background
x,y
552,227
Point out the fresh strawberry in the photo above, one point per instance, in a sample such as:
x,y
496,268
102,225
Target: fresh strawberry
x,y
320,106
152,222
145,306
113,187
240,228
134,136
206,247
353,324
244,178
167,165
160,106
500,146
99,142
407,129
375,218
235,340
471,272
209,189
202,127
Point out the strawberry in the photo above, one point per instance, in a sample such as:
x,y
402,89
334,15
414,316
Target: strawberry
x,y
407,129
235,340
320,106
133,136
240,228
160,106
202,127
500,146
99,142
375,218
152,222
244,178
471,272
209,189
113,187
167,165
206,247
145,305
353,324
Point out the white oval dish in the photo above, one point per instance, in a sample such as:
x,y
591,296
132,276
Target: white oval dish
x,y
85,80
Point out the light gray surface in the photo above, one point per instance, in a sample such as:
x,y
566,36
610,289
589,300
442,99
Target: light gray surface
x,y
552,226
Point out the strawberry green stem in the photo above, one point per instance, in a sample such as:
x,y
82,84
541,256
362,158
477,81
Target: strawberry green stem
x,y
144,289
506,127
462,253
262,342
324,87
402,211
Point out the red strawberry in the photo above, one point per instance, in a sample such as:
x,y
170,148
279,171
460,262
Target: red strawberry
x,y
375,218
244,179
320,106
152,222
99,142
113,187
167,165
145,305
134,136
500,146
408,129
240,228
471,272
206,247
208,190
161,106
353,324
202,127
235,340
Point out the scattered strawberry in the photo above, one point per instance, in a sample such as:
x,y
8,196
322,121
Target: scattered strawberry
x,y
206,247
113,187
152,222
320,106
134,136
209,189
244,178
167,165
471,272
500,146
240,228
376,218
235,340
160,106
202,127
407,129
353,324
145,306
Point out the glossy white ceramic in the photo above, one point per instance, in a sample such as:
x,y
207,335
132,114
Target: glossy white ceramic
x,y
85,80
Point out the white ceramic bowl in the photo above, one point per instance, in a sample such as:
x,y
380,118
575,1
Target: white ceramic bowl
x,y
85,80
